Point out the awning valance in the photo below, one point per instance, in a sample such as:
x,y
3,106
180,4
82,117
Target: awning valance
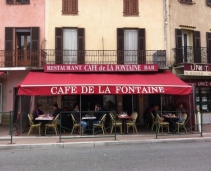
x,y
40,83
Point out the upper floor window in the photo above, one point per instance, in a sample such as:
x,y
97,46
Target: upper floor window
x,y
130,7
209,2
187,1
17,1
69,6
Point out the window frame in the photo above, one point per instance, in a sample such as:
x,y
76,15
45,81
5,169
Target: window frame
x,y
131,8
69,10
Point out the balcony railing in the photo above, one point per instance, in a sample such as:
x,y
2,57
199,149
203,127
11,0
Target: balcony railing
x,y
189,54
38,58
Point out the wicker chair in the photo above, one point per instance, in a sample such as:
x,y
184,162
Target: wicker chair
x,y
75,124
132,122
32,125
101,124
53,125
182,124
160,123
117,124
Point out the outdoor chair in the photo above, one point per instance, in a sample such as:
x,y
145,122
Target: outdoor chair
x,y
117,124
53,125
32,125
161,123
132,122
75,125
182,124
101,124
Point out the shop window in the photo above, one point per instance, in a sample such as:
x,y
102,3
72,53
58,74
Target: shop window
x,y
130,7
203,98
18,1
69,6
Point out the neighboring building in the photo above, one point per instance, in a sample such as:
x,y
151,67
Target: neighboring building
x,y
22,30
189,46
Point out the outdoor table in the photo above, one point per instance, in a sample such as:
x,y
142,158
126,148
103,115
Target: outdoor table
x,y
43,119
124,117
172,122
88,118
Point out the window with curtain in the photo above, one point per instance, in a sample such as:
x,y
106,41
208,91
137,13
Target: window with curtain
x,y
130,46
70,42
70,6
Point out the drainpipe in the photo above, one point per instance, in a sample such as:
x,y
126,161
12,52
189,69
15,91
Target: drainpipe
x,y
165,26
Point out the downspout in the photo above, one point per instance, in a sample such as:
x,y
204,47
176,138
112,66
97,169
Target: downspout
x,y
165,27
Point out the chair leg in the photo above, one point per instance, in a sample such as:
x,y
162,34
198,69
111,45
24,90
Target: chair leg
x,y
55,130
39,130
45,129
185,128
153,124
136,129
178,128
72,130
112,127
120,129
30,129
102,130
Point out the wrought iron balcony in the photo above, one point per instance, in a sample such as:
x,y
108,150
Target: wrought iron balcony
x,y
189,54
37,59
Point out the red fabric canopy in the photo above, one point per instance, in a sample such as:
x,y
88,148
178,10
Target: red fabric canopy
x,y
40,83
1,72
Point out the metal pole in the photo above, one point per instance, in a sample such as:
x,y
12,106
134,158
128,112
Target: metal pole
x,y
11,126
190,115
21,116
201,124
60,128
161,108
115,125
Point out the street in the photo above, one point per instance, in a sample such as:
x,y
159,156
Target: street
x,y
135,157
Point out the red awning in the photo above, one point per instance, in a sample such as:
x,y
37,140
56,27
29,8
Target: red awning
x,y
1,72
40,83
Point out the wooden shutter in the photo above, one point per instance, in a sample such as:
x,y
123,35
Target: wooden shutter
x,y
81,46
209,2
141,46
58,45
69,6
197,46
74,6
134,7
25,1
178,49
126,7
120,46
8,46
35,36
208,35
9,1
130,7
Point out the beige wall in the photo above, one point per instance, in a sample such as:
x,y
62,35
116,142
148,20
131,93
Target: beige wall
x,y
197,15
101,18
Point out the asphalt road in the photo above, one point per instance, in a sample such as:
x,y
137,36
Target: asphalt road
x,y
159,157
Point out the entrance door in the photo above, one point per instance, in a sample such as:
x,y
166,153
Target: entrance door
x,y
23,48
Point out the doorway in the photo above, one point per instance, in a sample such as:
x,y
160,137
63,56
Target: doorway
x,y
23,43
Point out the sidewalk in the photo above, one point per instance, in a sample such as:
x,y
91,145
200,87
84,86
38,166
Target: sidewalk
x,y
51,141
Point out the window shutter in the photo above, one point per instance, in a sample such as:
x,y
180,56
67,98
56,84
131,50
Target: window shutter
x,y
65,6
35,46
81,46
74,6
197,46
35,38
9,1
9,38
141,46
209,2
25,1
58,45
134,7
8,46
120,46
126,6
208,35
178,49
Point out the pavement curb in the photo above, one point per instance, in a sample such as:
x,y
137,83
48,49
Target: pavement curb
x,y
99,143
